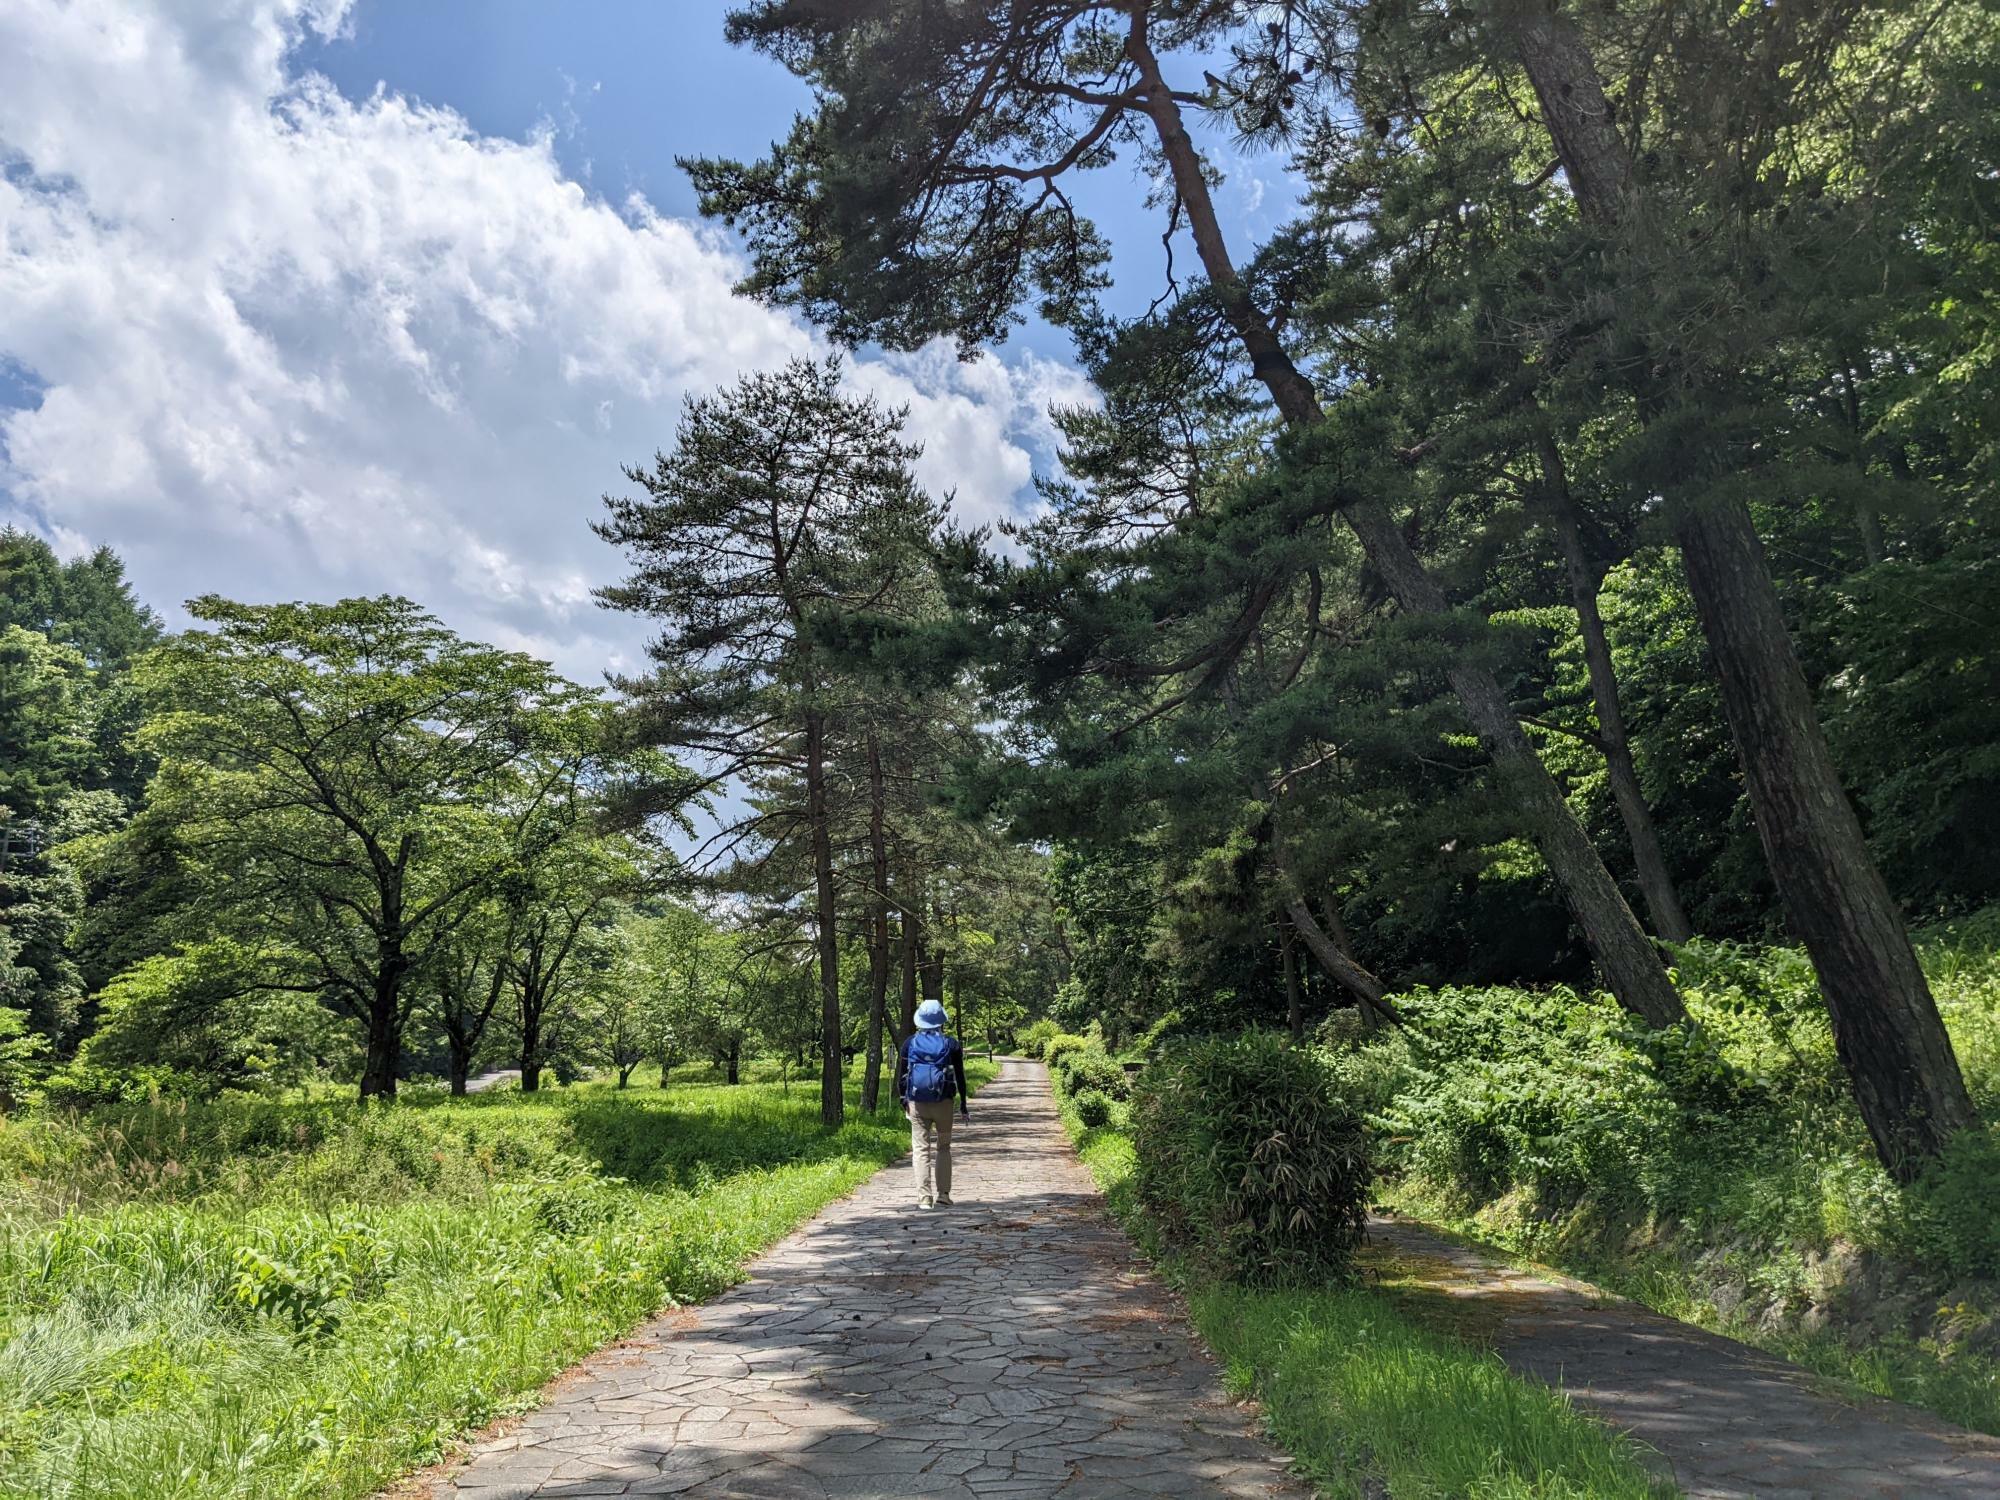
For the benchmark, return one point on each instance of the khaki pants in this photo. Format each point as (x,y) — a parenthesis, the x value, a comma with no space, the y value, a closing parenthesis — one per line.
(930,1148)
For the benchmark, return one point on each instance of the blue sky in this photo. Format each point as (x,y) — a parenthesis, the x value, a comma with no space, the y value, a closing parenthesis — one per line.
(311,298)
(629,87)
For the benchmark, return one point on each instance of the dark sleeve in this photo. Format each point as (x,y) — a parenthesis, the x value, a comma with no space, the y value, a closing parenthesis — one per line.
(902,1068)
(958,1071)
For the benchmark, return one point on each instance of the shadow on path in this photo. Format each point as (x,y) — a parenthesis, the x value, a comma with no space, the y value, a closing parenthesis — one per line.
(1726,1420)
(1011,1346)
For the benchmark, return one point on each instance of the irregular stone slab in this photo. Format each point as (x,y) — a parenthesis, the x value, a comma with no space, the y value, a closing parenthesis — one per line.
(1013,1345)
(1724,1421)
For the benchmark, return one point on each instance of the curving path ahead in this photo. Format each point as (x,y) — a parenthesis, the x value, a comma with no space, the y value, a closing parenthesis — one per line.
(1009,1347)
(1724,1421)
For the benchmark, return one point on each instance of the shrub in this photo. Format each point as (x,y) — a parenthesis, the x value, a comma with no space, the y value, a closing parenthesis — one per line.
(1093,1108)
(1249,1160)
(1091,1068)
(1038,1035)
(1060,1045)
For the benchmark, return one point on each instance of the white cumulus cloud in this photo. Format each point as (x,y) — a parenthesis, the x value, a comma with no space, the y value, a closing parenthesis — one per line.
(291,344)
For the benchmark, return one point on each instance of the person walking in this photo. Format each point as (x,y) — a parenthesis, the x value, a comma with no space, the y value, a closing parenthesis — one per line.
(930,1069)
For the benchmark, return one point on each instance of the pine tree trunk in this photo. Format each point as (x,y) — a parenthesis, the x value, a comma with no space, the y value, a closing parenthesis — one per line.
(531,1040)
(1630,964)
(1368,991)
(878,926)
(932,973)
(1886,1027)
(913,958)
(832,1084)
(1663,902)
(1295,1007)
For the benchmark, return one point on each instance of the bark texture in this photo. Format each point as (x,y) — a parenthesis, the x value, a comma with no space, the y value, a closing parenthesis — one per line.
(1295,1009)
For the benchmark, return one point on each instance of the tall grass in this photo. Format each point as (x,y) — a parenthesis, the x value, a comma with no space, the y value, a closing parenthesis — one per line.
(253,1298)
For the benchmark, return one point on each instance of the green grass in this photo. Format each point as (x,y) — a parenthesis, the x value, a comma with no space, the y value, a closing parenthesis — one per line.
(255,1298)
(1370,1399)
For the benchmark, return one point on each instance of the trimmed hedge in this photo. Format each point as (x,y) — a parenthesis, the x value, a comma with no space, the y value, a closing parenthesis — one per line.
(1249,1159)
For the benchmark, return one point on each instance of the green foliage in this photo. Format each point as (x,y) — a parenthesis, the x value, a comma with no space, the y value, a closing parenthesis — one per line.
(1093,1107)
(339,831)
(1250,1161)
(1062,1045)
(1377,1405)
(1036,1036)
(1090,1067)
(1369,1400)
(1954,1209)
(1720,1166)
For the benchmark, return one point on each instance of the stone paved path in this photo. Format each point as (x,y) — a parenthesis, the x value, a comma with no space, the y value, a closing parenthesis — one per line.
(1726,1421)
(1009,1347)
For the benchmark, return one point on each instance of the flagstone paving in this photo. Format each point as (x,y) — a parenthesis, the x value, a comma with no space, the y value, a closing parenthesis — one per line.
(1011,1346)
(1725,1421)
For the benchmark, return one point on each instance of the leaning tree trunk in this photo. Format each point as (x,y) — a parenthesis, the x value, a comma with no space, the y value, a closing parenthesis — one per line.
(1630,964)
(832,1084)
(1886,1027)
(1371,994)
(878,926)
(1295,1006)
(1663,902)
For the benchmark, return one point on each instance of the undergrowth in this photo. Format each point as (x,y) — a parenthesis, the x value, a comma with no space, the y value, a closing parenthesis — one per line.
(1717,1172)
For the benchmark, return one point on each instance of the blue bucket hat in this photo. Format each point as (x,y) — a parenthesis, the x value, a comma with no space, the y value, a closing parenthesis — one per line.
(930,1016)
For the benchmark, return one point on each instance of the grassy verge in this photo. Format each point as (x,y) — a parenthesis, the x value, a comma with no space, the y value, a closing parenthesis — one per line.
(253,1298)
(1371,1400)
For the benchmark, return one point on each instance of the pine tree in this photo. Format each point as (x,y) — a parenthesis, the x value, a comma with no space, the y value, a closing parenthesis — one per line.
(744,545)
(928,195)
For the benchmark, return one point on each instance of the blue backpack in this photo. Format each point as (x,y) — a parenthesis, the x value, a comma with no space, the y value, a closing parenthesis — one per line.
(930,1077)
